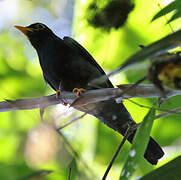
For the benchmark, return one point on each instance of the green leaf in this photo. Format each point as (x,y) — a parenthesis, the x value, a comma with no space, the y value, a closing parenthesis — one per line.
(138,149)
(157,48)
(173,6)
(171,170)
(175,16)
(72,171)
(170,7)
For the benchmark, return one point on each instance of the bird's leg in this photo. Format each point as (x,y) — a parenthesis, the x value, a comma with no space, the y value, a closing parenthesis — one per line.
(57,96)
(57,93)
(78,90)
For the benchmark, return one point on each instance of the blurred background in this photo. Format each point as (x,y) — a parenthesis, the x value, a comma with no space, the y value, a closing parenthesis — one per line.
(111,34)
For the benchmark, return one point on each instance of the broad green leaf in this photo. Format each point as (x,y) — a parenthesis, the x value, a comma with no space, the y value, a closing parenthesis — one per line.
(171,170)
(157,48)
(72,171)
(170,7)
(175,16)
(138,149)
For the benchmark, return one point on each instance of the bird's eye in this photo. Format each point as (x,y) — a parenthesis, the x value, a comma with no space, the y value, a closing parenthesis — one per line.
(40,26)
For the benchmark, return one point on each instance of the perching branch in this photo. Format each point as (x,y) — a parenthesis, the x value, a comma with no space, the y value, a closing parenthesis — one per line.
(87,102)
(92,96)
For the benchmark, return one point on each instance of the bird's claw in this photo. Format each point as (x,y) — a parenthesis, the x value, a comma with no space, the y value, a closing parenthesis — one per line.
(57,97)
(78,90)
(57,94)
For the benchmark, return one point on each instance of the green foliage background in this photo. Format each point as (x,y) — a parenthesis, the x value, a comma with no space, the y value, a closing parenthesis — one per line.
(21,77)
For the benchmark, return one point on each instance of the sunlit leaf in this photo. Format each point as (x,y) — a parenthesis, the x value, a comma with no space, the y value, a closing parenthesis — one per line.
(175,16)
(139,146)
(157,48)
(173,6)
(171,170)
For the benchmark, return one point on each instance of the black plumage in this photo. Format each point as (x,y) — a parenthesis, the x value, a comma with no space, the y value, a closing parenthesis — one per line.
(67,65)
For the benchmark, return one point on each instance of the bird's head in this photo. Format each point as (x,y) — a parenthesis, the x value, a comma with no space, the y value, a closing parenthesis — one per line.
(37,33)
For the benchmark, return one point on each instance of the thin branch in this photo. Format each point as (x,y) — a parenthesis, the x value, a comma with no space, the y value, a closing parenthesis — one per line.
(72,121)
(76,155)
(73,151)
(166,111)
(133,85)
(24,104)
(176,110)
(69,174)
(128,132)
(37,175)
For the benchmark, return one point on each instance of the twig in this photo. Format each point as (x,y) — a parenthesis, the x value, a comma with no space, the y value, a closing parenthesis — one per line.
(76,155)
(37,175)
(32,103)
(166,111)
(176,110)
(134,85)
(117,152)
(69,174)
(72,121)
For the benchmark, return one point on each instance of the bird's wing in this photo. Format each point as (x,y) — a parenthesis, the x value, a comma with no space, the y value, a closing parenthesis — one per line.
(48,82)
(45,79)
(83,52)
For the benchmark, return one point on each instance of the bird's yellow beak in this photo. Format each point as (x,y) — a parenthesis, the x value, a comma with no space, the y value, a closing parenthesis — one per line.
(24,30)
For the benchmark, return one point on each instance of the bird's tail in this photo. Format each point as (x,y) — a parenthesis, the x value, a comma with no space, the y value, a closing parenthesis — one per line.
(118,118)
(153,152)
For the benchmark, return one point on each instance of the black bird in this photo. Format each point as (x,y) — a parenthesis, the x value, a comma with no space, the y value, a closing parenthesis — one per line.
(67,65)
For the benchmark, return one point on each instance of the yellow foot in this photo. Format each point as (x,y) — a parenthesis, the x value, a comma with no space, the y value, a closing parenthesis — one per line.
(57,96)
(78,90)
